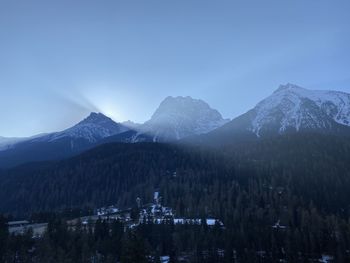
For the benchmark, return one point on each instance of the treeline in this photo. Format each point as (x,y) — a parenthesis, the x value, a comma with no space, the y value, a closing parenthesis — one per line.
(108,241)
(112,242)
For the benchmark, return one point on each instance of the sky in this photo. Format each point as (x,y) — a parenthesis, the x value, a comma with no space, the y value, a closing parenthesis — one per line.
(60,60)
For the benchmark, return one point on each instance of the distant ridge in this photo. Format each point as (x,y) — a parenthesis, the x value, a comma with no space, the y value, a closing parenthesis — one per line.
(176,118)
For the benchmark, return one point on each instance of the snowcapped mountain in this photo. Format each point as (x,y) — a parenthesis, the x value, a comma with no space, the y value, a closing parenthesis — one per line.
(292,109)
(92,129)
(175,118)
(82,136)
(180,117)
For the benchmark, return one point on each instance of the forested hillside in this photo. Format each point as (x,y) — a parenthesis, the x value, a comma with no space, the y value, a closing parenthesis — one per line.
(312,166)
(112,173)
(283,195)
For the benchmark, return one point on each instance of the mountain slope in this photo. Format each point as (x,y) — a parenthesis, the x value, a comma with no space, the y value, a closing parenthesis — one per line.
(110,168)
(78,138)
(92,129)
(6,143)
(119,173)
(176,118)
(290,109)
(180,117)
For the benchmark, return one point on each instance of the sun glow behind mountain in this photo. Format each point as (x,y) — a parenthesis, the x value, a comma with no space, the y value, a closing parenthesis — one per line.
(106,99)
(111,111)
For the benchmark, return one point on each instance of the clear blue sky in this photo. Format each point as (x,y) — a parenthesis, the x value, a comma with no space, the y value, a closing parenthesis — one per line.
(61,59)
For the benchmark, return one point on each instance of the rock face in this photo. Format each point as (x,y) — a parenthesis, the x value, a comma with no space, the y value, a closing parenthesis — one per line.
(180,117)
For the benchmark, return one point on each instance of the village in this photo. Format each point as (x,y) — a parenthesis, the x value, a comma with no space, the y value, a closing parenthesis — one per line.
(153,212)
